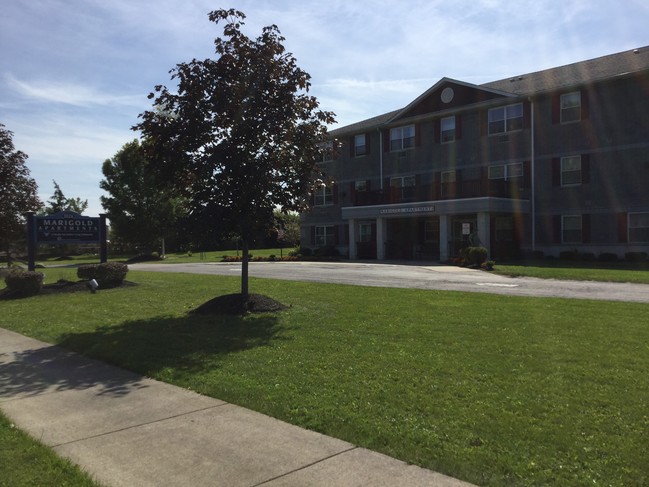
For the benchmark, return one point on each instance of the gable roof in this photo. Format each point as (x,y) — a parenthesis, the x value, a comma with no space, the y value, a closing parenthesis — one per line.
(583,72)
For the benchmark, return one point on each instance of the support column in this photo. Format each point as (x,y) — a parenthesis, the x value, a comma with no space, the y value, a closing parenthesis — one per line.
(353,251)
(444,235)
(380,239)
(484,231)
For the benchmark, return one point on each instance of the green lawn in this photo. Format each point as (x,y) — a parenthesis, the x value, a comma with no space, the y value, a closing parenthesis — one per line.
(494,390)
(24,461)
(579,271)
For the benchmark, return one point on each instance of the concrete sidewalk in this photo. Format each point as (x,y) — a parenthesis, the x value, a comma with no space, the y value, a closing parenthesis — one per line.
(127,430)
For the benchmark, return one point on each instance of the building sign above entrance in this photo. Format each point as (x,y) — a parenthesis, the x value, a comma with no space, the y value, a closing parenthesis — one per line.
(410,209)
(67,227)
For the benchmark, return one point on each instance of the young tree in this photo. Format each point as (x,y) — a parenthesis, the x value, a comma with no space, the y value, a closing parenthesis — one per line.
(17,193)
(239,133)
(141,212)
(58,202)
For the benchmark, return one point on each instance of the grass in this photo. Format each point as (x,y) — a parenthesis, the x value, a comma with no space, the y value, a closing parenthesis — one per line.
(494,390)
(579,271)
(24,461)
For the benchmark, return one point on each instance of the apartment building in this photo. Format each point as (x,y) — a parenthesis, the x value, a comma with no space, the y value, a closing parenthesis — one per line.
(551,161)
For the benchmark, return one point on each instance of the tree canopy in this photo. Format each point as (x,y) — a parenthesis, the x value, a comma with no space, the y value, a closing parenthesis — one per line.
(17,192)
(141,211)
(58,202)
(239,133)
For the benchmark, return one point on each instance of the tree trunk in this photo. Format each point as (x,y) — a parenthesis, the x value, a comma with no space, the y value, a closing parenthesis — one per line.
(244,267)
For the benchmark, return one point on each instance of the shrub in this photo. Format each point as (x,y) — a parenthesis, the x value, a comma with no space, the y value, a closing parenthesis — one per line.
(107,274)
(568,255)
(326,251)
(538,255)
(24,283)
(489,265)
(473,256)
(635,256)
(607,257)
(587,256)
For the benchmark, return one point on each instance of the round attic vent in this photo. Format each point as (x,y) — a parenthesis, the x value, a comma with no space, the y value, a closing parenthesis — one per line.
(447,94)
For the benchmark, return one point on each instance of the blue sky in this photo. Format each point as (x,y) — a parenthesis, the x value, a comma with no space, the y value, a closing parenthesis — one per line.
(75,74)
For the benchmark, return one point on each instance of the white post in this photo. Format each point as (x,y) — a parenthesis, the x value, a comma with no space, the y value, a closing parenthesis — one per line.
(443,238)
(380,239)
(484,231)
(353,251)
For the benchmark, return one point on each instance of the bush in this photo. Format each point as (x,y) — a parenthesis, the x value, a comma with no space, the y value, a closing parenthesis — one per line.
(327,251)
(489,265)
(635,256)
(587,256)
(568,255)
(607,257)
(473,256)
(107,274)
(538,255)
(24,283)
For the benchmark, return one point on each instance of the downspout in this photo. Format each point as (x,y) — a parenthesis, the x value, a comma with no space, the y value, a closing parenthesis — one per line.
(380,157)
(532,162)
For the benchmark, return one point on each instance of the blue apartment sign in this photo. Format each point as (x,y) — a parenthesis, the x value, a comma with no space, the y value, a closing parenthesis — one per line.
(67,227)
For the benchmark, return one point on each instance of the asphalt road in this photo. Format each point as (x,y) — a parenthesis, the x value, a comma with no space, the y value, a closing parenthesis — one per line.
(439,277)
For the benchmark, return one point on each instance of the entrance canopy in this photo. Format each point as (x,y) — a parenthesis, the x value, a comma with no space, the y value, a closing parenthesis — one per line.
(442,207)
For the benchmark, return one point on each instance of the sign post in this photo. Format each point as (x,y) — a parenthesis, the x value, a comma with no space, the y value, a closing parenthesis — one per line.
(65,227)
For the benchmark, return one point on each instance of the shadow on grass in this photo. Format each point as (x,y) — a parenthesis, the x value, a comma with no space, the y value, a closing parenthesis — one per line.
(189,344)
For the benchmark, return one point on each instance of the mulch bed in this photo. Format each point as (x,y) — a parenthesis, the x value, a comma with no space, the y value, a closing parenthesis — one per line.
(60,287)
(238,304)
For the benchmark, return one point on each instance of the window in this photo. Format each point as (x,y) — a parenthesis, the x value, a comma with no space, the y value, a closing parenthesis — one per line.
(324,196)
(571,171)
(360,149)
(360,185)
(404,187)
(365,232)
(447,129)
(571,107)
(504,229)
(431,232)
(402,137)
(324,235)
(449,178)
(506,171)
(326,151)
(638,227)
(505,119)
(571,229)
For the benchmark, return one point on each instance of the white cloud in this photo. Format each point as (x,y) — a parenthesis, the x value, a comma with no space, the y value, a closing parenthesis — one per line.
(69,93)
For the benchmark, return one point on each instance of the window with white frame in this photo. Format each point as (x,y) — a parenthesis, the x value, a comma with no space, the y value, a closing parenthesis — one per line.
(326,151)
(505,119)
(324,235)
(447,128)
(638,227)
(324,196)
(365,232)
(571,107)
(506,171)
(360,147)
(403,186)
(571,229)
(571,171)
(402,137)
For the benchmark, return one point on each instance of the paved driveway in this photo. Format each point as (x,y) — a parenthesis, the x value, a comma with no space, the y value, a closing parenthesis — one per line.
(448,278)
